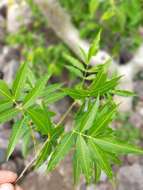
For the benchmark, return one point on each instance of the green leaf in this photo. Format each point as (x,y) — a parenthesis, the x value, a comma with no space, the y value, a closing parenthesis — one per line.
(116,146)
(97,173)
(103,121)
(99,81)
(54,97)
(5,104)
(83,55)
(35,92)
(65,145)
(76,93)
(31,78)
(94,47)
(50,89)
(101,158)
(106,87)
(84,157)
(74,62)
(88,119)
(8,115)
(20,79)
(76,169)
(44,154)
(93,6)
(124,93)
(75,71)
(26,141)
(41,120)
(14,137)
(4,90)
(107,15)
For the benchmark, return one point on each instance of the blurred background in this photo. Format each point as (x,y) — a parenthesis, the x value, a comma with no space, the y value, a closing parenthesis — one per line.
(42,32)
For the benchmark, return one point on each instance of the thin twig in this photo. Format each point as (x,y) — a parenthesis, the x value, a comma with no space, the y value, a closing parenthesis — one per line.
(35,158)
(25,169)
(66,113)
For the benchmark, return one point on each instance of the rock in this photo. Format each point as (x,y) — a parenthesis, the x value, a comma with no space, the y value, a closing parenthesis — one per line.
(91,187)
(9,165)
(2,29)
(19,14)
(53,181)
(102,186)
(3,3)
(136,119)
(132,159)
(103,177)
(2,155)
(130,177)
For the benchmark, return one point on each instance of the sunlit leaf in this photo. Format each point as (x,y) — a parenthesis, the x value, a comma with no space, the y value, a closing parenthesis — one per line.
(20,79)
(124,93)
(117,147)
(76,169)
(44,154)
(61,150)
(74,62)
(42,122)
(94,47)
(4,90)
(101,158)
(54,97)
(15,135)
(7,115)
(89,118)
(84,157)
(5,104)
(35,92)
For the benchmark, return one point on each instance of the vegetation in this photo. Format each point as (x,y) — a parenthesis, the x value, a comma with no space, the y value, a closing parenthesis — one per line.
(92,141)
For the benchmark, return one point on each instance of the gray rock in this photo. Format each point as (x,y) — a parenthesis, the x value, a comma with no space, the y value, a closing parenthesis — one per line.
(3,3)
(2,29)
(130,177)
(9,165)
(19,14)
(102,186)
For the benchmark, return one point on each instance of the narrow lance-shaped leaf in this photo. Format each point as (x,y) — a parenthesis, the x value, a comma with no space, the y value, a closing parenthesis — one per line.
(20,79)
(54,97)
(50,89)
(89,118)
(41,121)
(103,121)
(8,114)
(95,46)
(65,145)
(84,157)
(97,173)
(115,146)
(74,62)
(75,71)
(35,92)
(124,93)
(5,104)
(44,154)
(4,90)
(99,80)
(15,135)
(26,141)
(93,6)
(101,158)
(84,55)
(76,169)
